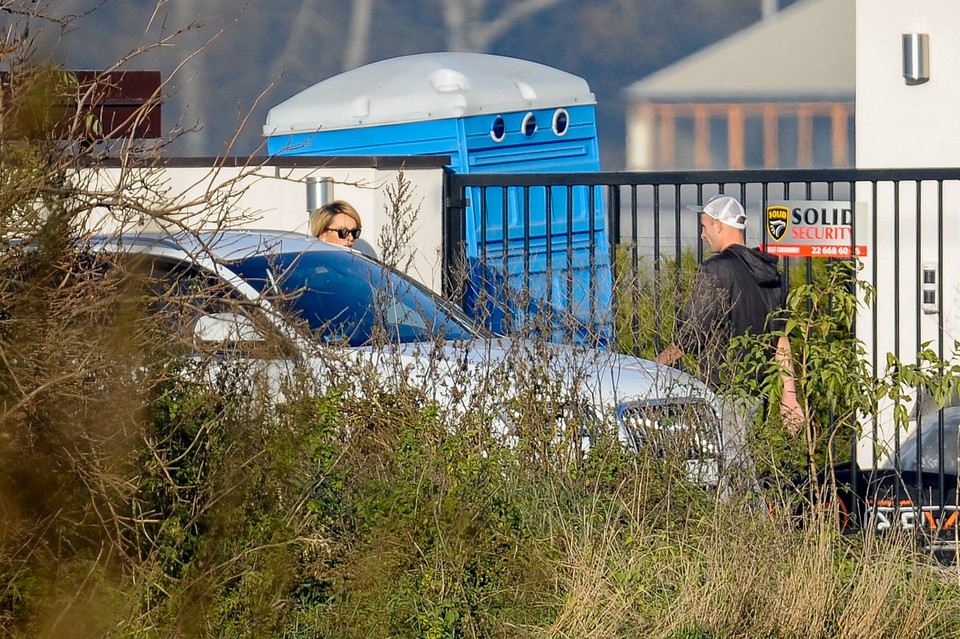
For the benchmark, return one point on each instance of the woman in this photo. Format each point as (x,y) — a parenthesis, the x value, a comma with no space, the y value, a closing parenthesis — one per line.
(337,223)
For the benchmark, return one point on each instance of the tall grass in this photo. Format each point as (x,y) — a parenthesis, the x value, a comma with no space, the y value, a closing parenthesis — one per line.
(345,506)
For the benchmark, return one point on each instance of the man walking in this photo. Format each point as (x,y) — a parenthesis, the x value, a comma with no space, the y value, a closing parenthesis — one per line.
(738,291)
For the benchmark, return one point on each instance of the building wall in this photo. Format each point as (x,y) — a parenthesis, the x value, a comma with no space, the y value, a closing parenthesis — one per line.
(900,125)
(274,196)
(904,126)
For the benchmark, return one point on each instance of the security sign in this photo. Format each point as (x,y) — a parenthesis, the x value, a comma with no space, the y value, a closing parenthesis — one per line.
(778,219)
(814,228)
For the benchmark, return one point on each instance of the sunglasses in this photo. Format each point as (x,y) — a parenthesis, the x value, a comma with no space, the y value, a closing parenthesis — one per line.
(345,233)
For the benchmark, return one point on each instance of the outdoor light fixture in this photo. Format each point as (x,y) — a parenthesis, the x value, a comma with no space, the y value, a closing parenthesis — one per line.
(321,198)
(916,58)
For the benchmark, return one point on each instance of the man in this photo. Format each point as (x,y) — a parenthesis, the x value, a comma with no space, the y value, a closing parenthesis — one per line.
(737,291)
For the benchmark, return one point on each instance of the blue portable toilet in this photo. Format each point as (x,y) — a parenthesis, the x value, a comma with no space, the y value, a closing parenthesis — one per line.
(490,114)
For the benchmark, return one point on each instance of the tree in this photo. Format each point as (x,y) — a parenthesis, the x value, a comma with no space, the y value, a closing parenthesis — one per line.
(468,30)
(355,53)
(78,353)
(303,26)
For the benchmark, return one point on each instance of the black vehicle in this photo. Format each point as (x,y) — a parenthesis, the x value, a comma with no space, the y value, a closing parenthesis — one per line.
(913,491)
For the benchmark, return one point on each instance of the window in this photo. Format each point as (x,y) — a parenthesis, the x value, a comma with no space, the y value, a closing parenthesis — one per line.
(188,300)
(788,146)
(498,130)
(822,142)
(719,143)
(346,299)
(561,122)
(753,143)
(529,125)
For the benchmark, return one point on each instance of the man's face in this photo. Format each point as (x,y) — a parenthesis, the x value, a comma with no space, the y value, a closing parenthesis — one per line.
(710,231)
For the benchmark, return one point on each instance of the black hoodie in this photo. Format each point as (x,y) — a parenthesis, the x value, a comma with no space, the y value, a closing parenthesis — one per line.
(735,292)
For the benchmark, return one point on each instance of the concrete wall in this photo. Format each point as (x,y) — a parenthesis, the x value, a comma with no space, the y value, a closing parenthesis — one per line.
(199,194)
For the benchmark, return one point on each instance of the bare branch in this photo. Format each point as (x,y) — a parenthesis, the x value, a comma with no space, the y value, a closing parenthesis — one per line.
(487,33)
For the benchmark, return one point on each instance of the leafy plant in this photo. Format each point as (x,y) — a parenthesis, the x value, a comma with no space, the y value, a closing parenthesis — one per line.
(838,392)
(648,299)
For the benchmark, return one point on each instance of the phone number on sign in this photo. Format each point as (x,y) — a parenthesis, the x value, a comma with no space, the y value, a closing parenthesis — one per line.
(817,250)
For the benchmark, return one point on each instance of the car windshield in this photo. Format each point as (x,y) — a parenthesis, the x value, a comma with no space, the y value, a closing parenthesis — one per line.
(347,299)
(929,438)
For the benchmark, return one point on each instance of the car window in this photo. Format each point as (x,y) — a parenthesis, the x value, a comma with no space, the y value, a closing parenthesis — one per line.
(185,295)
(929,438)
(348,299)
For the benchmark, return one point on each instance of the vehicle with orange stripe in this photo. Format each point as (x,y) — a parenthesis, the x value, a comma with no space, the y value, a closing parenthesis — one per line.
(914,491)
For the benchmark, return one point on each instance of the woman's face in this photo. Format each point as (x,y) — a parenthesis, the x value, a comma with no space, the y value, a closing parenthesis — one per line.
(343,230)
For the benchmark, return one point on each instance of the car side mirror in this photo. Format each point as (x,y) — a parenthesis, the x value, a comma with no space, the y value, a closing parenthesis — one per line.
(226,327)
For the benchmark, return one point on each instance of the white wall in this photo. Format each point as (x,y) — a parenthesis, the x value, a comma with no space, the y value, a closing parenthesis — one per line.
(904,126)
(900,125)
(275,197)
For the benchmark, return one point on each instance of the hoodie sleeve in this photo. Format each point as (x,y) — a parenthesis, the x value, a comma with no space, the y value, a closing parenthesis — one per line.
(703,325)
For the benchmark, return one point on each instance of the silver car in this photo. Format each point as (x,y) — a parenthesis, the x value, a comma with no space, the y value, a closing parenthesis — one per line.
(319,304)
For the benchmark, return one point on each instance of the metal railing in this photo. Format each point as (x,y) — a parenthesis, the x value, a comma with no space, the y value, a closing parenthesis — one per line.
(906,219)
(645,216)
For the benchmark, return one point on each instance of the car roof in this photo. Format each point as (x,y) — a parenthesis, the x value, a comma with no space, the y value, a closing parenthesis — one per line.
(221,245)
(927,404)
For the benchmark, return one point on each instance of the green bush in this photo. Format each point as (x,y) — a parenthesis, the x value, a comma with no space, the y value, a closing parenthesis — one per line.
(235,509)
(648,297)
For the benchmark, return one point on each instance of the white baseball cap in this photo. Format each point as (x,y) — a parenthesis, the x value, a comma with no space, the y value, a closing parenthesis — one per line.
(726,209)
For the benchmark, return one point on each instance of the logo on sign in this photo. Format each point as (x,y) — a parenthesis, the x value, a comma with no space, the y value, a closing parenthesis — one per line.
(778,220)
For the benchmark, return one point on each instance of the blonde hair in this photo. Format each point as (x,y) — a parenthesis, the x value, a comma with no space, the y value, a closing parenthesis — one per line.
(321,218)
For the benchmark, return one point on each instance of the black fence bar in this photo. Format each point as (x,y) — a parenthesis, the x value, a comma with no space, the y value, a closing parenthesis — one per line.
(646,224)
(626,193)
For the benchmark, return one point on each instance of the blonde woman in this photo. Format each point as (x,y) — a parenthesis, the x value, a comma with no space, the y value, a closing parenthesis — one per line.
(337,223)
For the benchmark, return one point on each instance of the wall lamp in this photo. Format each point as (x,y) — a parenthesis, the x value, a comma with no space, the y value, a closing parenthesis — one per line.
(916,58)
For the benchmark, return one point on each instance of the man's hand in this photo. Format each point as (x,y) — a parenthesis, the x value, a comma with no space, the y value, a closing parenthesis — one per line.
(669,355)
(791,412)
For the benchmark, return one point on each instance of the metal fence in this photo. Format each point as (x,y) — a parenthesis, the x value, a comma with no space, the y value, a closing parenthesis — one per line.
(908,220)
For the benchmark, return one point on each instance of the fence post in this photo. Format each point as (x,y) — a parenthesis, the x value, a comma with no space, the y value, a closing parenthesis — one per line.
(454,238)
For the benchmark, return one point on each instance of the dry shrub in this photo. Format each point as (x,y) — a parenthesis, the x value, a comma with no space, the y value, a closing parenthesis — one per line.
(744,575)
(70,400)
(77,356)
(635,562)
(598,600)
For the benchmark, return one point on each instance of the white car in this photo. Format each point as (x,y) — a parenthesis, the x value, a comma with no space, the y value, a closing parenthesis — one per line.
(318,304)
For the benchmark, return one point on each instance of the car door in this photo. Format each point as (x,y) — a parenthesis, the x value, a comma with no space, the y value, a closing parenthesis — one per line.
(223,335)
